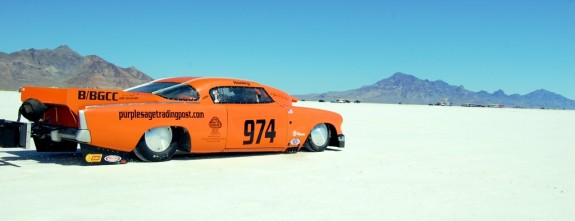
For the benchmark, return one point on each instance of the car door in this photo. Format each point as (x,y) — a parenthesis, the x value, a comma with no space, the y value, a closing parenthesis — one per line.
(254,120)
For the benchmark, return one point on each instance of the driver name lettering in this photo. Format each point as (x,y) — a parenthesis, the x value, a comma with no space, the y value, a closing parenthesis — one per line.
(242,83)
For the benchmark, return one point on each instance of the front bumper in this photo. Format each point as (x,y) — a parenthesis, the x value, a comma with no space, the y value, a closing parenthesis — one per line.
(341,140)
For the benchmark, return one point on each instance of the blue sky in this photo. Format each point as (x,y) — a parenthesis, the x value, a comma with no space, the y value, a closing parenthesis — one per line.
(314,46)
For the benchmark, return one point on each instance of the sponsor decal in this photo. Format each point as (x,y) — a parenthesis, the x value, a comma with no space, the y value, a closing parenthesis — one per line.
(297,134)
(242,83)
(129,98)
(295,142)
(158,114)
(290,111)
(93,158)
(112,158)
(97,95)
(215,124)
(279,95)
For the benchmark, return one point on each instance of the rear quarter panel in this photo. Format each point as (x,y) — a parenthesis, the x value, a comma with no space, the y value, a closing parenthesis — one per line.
(120,127)
(78,98)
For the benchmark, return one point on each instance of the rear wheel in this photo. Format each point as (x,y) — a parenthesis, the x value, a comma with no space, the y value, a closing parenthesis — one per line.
(47,145)
(157,144)
(318,139)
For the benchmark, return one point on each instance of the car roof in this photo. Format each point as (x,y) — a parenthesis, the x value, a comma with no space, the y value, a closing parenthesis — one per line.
(214,81)
(207,83)
(176,79)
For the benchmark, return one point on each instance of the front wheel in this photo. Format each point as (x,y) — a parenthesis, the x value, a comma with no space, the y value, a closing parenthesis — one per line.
(318,139)
(157,144)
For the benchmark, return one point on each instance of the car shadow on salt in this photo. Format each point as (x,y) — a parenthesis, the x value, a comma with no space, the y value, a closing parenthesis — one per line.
(66,159)
(210,156)
(16,158)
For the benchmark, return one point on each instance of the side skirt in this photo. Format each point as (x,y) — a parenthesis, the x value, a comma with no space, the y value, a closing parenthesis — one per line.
(94,155)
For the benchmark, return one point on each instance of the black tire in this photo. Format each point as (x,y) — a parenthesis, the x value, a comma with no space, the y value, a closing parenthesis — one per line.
(159,147)
(318,138)
(47,145)
(32,109)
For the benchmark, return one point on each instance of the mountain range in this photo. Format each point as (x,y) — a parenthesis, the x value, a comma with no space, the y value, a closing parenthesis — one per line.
(407,89)
(63,67)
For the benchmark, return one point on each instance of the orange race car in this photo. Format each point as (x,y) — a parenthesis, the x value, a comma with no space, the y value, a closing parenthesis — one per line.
(190,114)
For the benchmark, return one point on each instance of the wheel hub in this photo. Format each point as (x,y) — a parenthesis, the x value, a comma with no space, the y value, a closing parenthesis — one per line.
(319,135)
(158,139)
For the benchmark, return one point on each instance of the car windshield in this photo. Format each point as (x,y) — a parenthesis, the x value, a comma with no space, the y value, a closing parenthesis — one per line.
(151,87)
(169,90)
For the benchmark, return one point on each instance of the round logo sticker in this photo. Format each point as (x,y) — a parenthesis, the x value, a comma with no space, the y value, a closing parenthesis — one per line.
(112,158)
(294,142)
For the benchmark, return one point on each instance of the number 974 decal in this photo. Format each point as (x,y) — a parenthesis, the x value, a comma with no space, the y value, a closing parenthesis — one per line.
(251,126)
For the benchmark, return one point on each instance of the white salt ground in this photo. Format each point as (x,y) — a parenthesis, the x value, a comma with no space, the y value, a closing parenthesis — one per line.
(401,162)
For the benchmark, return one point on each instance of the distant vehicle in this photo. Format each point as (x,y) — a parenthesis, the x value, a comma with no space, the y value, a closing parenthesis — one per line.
(190,114)
(496,105)
(322,101)
(357,101)
(442,104)
(472,105)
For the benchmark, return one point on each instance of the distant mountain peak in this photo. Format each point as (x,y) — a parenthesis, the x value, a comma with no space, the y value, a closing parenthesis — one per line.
(396,79)
(63,48)
(401,76)
(408,89)
(499,93)
(542,93)
(63,67)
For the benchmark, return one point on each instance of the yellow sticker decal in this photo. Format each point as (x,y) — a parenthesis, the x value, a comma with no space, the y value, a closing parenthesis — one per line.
(93,158)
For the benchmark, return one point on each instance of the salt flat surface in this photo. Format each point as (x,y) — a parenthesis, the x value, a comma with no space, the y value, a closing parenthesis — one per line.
(401,162)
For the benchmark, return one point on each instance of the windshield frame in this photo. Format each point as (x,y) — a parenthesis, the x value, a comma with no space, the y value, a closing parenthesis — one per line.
(188,93)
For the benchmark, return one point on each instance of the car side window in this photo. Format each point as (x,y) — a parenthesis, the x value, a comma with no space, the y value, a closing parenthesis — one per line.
(240,95)
(263,96)
(179,92)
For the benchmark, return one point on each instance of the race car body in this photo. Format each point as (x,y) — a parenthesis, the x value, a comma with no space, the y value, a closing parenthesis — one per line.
(191,114)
